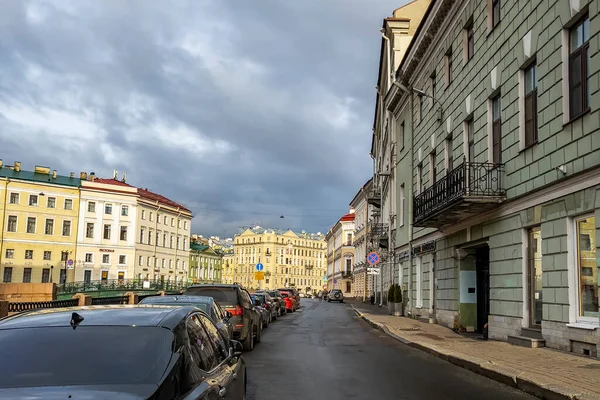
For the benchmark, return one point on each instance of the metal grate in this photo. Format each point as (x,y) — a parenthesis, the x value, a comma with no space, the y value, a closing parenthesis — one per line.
(37,305)
(103,301)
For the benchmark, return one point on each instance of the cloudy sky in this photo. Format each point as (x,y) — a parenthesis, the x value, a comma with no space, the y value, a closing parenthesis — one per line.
(243,110)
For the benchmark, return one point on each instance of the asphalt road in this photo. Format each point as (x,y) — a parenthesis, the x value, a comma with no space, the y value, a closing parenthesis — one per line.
(323,351)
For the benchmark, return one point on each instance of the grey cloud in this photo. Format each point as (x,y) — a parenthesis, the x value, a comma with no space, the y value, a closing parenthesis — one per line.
(268,104)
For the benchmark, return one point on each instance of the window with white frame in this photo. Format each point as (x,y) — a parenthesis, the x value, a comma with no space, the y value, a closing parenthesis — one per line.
(449,156)
(402,200)
(122,259)
(89,258)
(105,258)
(586,267)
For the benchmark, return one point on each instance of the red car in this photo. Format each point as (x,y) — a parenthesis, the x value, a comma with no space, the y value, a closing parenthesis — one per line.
(290,302)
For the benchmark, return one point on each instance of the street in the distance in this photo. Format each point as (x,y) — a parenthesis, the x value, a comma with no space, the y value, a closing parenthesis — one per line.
(324,351)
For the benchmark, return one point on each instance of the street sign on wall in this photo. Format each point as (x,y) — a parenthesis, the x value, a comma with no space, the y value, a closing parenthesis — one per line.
(373,271)
(373,258)
(259,267)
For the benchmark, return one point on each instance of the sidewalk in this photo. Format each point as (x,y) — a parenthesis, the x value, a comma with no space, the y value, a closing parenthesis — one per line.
(543,372)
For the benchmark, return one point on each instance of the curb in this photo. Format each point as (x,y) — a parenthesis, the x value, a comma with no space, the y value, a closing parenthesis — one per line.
(512,380)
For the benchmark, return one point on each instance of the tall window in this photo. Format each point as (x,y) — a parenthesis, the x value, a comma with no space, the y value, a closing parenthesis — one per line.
(66,229)
(579,58)
(496,130)
(89,230)
(587,269)
(33,200)
(29,254)
(123,235)
(31,225)
(89,258)
(495,13)
(432,167)
(46,275)
(470,128)
(47,255)
(348,239)
(7,278)
(470,33)
(12,223)
(419,178)
(124,211)
(419,271)
(106,231)
(530,105)
(449,154)
(27,275)
(433,87)
(91,207)
(402,195)
(448,62)
(14,198)
(108,209)
(68,204)
(49,228)
(51,202)
(105,258)
(348,265)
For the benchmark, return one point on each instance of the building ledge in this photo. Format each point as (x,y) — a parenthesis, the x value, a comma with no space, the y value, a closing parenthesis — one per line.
(584,325)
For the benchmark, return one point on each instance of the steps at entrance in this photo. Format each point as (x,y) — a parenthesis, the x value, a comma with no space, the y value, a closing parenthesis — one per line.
(532,333)
(525,341)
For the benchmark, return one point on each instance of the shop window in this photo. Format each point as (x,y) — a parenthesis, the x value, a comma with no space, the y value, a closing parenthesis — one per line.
(587,268)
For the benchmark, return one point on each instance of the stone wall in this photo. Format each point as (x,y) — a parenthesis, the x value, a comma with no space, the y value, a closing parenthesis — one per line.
(24,292)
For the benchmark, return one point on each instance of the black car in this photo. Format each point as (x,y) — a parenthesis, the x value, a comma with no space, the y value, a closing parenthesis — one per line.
(277,299)
(269,304)
(247,324)
(118,352)
(220,317)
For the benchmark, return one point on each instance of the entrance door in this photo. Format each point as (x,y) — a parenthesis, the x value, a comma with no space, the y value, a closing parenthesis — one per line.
(63,276)
(104,276)
(534,278)
(483,286)
(87,276)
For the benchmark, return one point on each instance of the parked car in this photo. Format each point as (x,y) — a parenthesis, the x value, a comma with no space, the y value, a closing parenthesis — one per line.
(118,352)
(265,315)
(269,304)
(278,299)
(247,324)
(295,294)
(219,316)
(290,303)
(335,295)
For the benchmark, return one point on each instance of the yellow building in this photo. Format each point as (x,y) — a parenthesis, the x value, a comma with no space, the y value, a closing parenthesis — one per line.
(228,265)
(39,211)
(340,254)
(289,259)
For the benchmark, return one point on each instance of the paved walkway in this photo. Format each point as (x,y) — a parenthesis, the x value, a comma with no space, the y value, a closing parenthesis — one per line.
(543,372)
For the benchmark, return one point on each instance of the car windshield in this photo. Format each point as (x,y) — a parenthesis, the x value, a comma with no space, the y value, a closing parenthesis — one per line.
(284,295)
(227,296)
(88,355)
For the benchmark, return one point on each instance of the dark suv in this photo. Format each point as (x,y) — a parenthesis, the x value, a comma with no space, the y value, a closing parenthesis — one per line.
(235,299)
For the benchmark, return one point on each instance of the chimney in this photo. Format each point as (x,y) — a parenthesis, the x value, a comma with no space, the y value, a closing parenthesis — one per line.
(92,176)
(115,173)
(54,174)
(72,174)
(124,177)
(42,170)
(83,176)
(352,210)
(18,166)
(1,163)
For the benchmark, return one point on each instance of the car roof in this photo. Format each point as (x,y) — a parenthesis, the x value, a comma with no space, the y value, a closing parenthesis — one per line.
(180,298)
(221,285)
(110,315)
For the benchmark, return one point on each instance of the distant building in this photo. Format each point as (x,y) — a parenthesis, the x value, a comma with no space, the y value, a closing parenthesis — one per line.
(340,254)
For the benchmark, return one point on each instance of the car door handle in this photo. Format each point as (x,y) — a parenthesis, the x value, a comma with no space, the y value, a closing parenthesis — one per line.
(222,392)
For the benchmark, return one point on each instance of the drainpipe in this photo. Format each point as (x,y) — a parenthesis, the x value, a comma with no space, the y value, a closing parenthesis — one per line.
(6,180)
(389,59)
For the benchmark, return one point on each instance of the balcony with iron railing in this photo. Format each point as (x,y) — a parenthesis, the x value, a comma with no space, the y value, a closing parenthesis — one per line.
(469,189)
(374,198)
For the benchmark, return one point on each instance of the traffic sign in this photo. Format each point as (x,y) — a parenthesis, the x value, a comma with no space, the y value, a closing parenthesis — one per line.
(259,267)
(70,262)
(259,276)
(373,258)
(373,271)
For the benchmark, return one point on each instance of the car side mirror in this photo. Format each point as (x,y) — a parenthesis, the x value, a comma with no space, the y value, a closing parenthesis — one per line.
(236,348)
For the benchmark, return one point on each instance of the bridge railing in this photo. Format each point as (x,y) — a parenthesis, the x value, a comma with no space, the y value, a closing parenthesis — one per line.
(120,284)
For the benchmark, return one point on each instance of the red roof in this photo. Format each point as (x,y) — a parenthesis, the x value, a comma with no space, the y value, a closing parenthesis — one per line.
(146,194)
(348,217)
(111,182)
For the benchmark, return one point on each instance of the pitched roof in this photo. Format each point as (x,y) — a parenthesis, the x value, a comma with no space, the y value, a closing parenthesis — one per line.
(146,194)
(6,172)
(348,217)
(111,182)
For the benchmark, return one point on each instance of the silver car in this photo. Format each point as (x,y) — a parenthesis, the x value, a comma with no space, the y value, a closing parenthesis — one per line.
(335,295)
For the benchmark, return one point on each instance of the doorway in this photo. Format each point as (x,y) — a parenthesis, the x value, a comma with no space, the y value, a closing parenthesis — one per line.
(482,268)
(534,278)
(87,276)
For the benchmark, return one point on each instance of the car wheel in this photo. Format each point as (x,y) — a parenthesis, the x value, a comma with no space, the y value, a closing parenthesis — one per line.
(249,342)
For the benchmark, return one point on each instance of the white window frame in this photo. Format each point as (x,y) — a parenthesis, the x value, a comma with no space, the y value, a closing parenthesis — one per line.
(102,259)
(119,259)
(67,202)
(141,260)
(85,258)
(402,201)
(419,285)
(575,320)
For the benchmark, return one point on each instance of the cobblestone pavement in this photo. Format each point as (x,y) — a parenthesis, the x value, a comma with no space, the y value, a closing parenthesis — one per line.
(542,371)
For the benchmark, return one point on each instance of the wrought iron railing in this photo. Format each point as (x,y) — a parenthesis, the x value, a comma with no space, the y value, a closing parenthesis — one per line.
(468,179)
(120,284)
(103,301)
(379,229)
(346,274)
(36,305)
